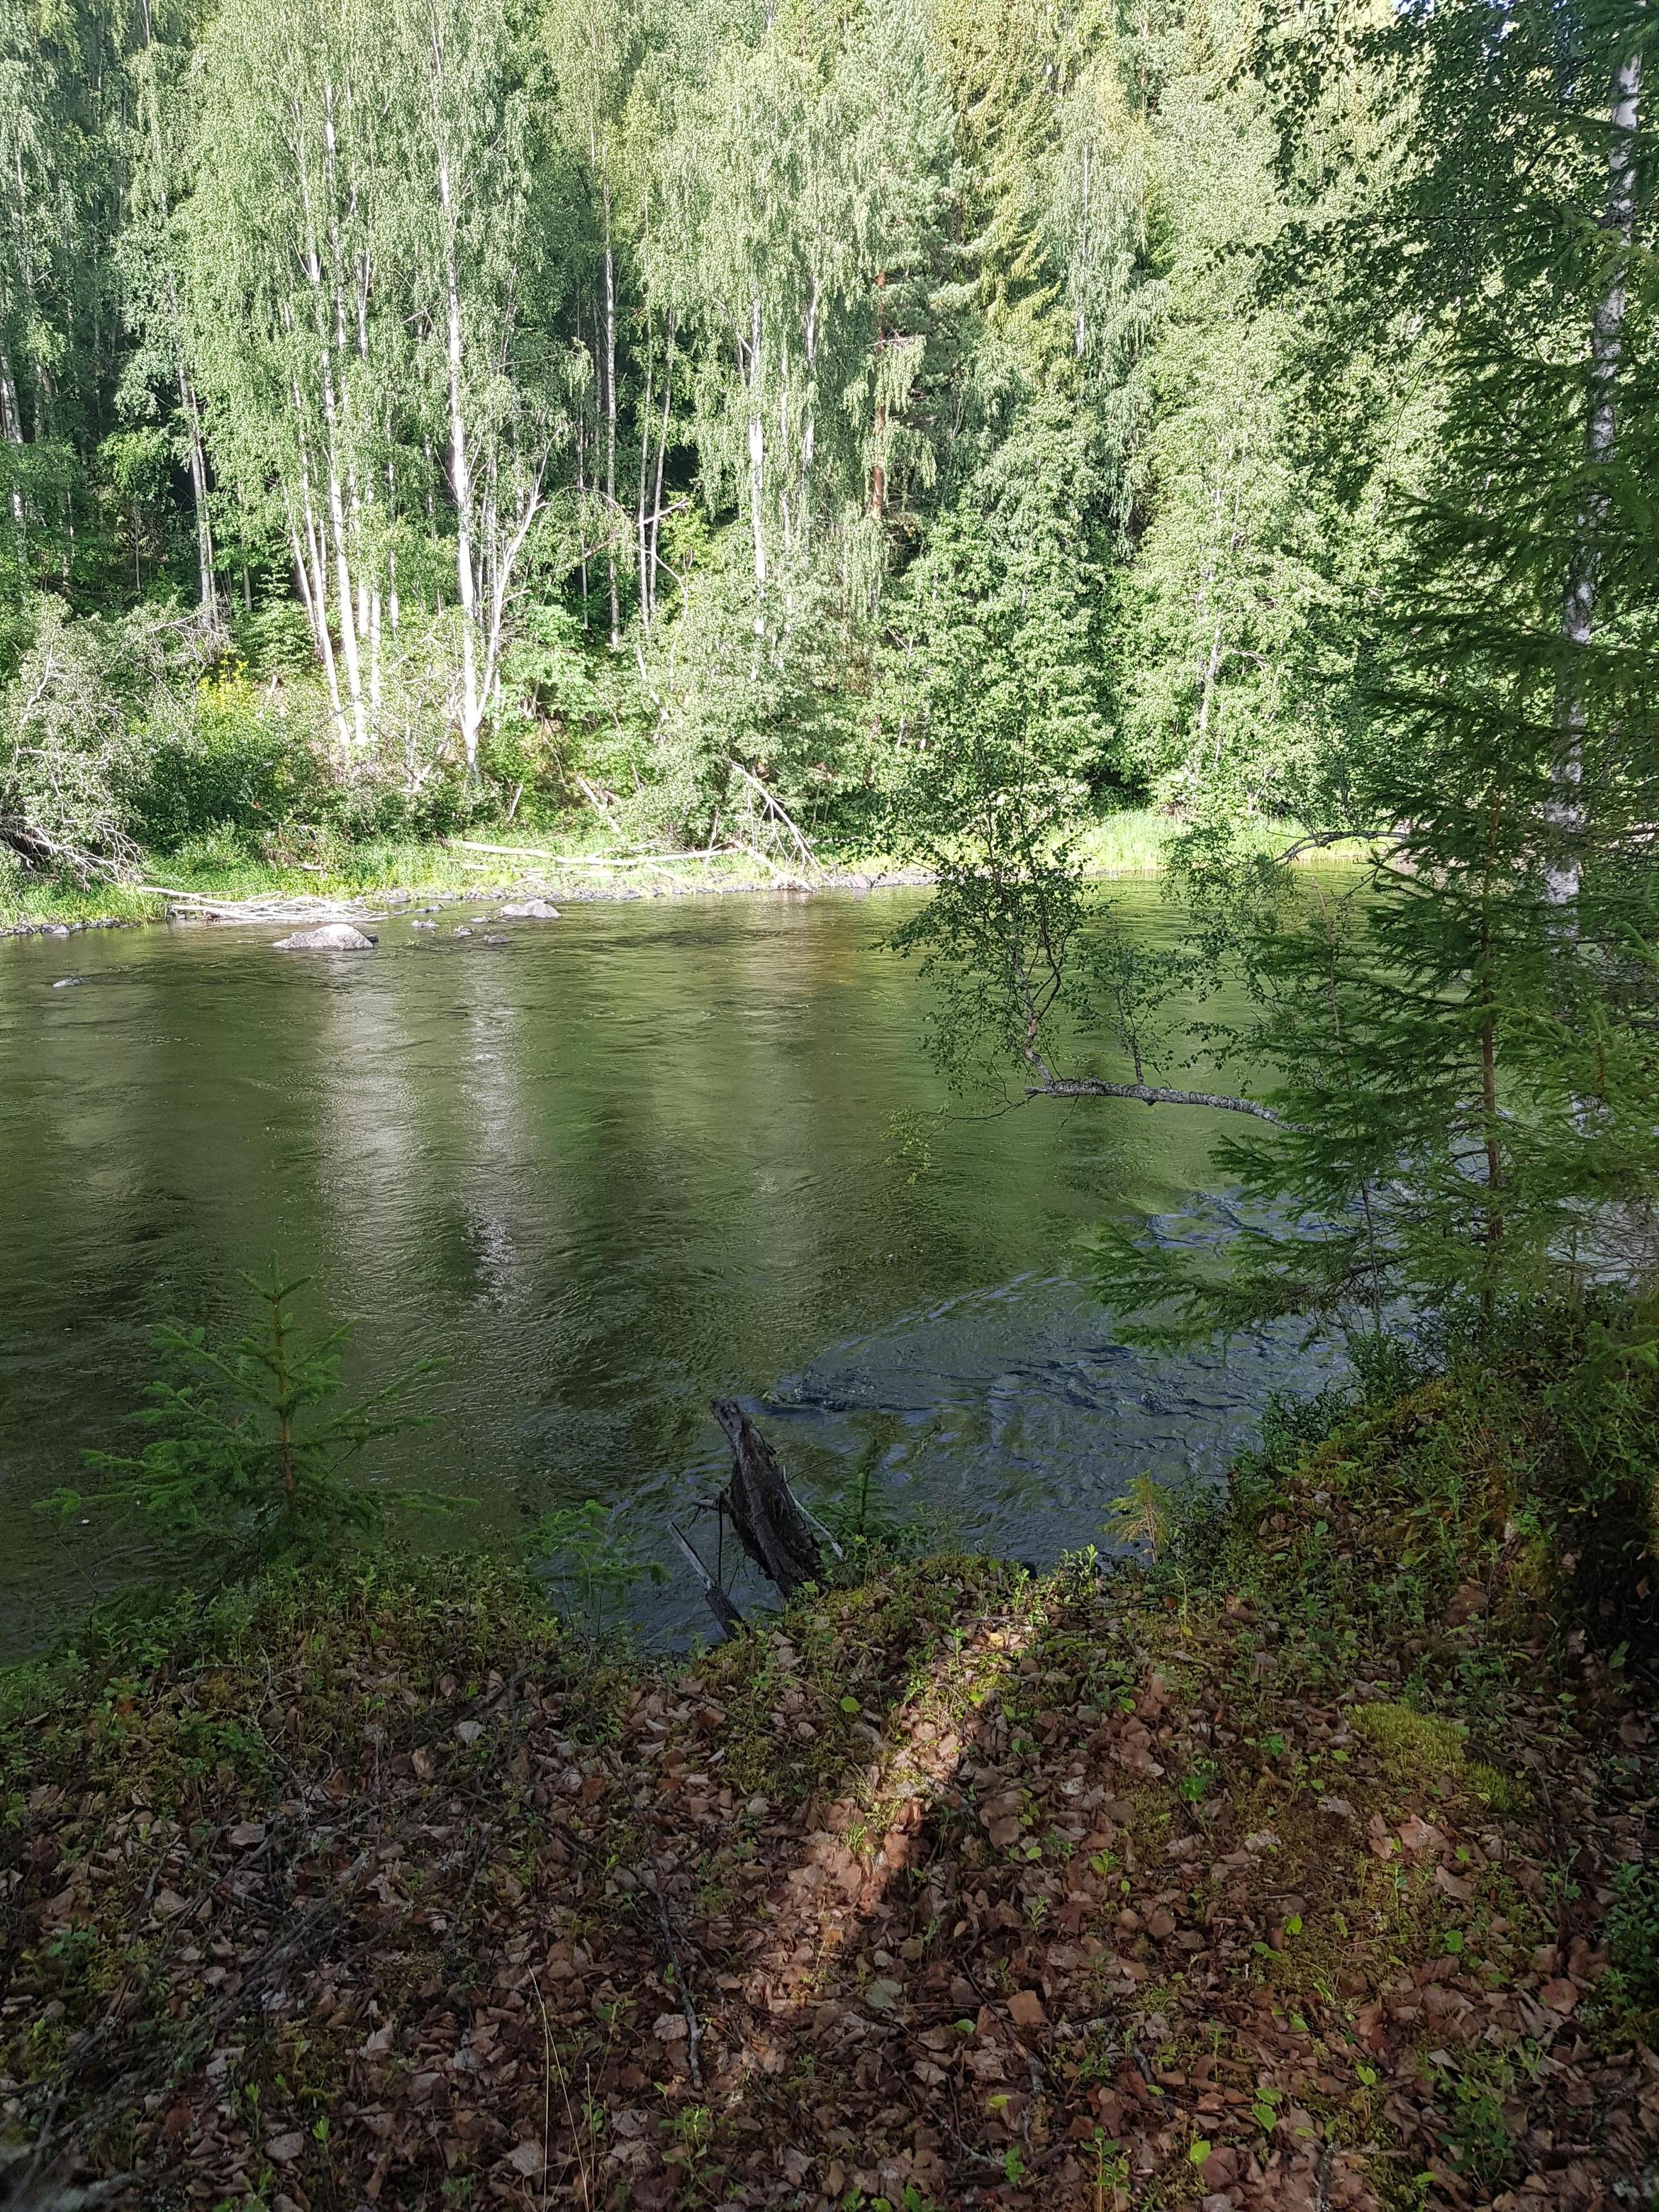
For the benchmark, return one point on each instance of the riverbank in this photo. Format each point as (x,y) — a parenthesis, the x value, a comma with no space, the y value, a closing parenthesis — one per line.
(1303,1867)
(505,865)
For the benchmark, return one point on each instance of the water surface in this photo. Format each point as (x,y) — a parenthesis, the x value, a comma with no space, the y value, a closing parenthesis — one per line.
(650,1152)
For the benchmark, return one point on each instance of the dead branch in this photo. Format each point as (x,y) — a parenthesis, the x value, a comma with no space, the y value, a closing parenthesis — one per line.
(1152,1094)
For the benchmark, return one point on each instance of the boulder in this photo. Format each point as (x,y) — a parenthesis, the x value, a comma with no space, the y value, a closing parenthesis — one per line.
(65,982)
(536,909)
(332,937)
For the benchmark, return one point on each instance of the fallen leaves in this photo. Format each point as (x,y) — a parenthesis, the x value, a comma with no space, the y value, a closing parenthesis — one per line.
(964,1876)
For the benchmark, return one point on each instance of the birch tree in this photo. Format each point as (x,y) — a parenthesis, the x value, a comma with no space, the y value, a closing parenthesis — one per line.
(481,280)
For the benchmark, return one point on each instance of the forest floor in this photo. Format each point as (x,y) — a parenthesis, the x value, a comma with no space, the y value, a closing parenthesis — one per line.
(1302,1871)
(506,863)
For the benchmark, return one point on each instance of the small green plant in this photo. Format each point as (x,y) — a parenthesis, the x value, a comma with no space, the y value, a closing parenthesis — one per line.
(1198,1782)
(1477,2135)
(1141,1516)
(583,1549)
(1630,1986)
(1111,2170)
(249,1458)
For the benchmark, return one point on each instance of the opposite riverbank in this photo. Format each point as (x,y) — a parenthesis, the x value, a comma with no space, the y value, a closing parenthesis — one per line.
(572,868)
(1303,1865)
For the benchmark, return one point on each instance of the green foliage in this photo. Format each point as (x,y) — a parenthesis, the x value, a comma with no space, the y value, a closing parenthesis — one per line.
(64,741)
(216,759)
(1631,1986)
(250,1461)
(1141,1515)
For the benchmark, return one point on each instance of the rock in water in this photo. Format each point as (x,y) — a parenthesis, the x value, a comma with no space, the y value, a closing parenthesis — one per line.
(536,909)
(65,982)
(332,937)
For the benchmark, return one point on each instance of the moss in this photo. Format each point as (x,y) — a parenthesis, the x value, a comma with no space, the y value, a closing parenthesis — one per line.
(1500,1793)
(1416,1748)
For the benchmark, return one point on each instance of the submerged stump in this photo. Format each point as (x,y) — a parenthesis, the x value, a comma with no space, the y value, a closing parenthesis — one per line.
(771,1526)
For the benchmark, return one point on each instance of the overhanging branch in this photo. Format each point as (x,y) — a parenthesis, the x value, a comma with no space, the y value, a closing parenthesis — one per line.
(1152,1094)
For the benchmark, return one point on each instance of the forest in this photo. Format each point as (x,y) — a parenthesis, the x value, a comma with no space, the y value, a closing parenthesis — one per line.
(428,414)
(1187,1740)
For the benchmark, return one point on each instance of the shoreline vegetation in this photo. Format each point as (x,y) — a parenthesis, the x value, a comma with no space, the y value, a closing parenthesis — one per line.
(1129,843)
(1294,1861)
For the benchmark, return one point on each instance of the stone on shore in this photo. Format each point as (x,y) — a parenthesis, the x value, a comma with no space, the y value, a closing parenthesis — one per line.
(332,937)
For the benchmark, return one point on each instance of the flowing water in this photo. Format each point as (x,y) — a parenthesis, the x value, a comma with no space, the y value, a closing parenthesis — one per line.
(648,1153)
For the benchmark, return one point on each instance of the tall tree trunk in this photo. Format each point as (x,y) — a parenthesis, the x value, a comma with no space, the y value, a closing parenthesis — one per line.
(757,461)
(641,524)
(662,458)
(1565,810)
(581,474)
(611,414)
(11,423)
(878,471)
(206,585)
(460,479)
(318,598)
(343,567)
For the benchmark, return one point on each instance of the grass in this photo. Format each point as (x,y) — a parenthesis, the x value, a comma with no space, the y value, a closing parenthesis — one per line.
(368,872)
(1129,843)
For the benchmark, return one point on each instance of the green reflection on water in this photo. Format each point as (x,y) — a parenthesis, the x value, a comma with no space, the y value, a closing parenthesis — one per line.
(649,1152)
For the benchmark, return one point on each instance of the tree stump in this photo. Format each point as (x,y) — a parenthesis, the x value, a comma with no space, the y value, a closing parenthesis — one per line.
(771,1527)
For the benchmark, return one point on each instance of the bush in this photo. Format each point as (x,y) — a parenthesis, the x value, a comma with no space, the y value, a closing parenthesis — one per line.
(222,758)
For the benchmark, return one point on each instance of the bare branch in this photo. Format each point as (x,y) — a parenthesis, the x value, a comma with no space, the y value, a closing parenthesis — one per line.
(1320,838)
(1152,1094)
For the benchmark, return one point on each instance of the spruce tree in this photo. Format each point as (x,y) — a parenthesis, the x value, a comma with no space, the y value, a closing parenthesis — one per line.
(1462,1049)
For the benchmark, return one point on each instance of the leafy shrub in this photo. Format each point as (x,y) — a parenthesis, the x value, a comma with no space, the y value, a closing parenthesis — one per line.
(220,758)
(1631,1985)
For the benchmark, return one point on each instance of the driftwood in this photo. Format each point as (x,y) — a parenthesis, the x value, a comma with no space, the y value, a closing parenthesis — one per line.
(778,1533)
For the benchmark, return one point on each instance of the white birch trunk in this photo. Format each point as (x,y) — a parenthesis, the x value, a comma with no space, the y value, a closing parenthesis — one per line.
(757,460)
(460,481)
(11,423)
(611,413)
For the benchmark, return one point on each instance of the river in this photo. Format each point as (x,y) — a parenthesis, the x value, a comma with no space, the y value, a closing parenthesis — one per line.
(650,1152)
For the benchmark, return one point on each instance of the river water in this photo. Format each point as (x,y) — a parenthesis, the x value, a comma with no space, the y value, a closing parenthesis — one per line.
(650,1153)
